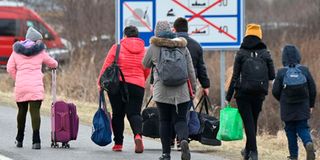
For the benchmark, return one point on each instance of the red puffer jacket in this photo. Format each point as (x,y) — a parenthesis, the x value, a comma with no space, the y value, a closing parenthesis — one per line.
(130,61)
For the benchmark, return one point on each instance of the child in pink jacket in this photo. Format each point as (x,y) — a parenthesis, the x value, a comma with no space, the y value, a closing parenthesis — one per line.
(24,66)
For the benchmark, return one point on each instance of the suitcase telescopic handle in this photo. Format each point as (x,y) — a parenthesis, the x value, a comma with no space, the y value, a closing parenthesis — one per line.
(54,85)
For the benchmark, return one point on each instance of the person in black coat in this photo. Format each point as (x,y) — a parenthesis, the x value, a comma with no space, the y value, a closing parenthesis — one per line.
(250,104)
(295,114)
(181,27)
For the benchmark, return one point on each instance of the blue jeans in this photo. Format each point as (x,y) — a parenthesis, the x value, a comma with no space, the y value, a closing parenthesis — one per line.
(293,130)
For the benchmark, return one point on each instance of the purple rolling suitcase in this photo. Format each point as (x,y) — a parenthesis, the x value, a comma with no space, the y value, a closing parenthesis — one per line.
(64,120)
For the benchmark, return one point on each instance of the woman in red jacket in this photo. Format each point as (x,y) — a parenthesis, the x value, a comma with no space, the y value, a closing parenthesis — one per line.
(130,62)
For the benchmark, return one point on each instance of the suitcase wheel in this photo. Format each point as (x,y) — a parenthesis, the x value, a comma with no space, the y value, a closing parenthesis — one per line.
(65,145)
(54,145)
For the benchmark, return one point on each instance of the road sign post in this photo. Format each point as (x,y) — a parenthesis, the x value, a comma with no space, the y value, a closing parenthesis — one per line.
(222,77)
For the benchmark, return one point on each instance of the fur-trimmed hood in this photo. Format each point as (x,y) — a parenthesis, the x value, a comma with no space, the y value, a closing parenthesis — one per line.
(28,49)
(179,42)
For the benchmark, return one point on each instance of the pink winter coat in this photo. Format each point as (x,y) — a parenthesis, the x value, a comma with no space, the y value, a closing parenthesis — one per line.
(131,54)
(24,66)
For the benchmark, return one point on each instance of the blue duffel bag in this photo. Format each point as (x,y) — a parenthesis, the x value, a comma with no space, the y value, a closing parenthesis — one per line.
(101,130)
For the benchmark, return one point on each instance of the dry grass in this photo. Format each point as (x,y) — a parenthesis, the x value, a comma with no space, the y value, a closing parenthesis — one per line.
(269,147)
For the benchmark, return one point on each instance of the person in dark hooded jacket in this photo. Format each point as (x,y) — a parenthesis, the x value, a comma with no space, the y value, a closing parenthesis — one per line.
(250,104)
(296,114)
(24,66)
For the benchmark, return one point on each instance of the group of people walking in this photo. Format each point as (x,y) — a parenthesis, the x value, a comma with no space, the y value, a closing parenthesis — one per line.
(174,99)
(173,102)
(293,86)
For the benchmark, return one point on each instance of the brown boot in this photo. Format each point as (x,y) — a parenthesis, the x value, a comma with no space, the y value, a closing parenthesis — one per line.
(310,151)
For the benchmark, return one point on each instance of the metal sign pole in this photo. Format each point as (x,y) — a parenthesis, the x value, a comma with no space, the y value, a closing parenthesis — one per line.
(222,76)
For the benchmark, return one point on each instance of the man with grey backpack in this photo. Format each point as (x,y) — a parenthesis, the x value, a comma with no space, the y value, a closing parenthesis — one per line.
(295,88)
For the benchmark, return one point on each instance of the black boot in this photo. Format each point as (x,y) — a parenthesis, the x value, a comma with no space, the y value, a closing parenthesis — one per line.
(185,152)
(19,138)
(36,144)
(165,156)
(245,154)
(253,155)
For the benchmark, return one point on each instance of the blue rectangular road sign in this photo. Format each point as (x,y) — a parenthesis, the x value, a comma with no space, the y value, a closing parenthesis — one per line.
(140,13)
(215,24)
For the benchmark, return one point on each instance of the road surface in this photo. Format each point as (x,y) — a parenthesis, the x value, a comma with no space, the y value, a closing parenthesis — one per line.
(81,149)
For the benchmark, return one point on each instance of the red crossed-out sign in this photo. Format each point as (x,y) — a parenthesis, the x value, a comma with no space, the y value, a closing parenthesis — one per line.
(199,15)
(142,21)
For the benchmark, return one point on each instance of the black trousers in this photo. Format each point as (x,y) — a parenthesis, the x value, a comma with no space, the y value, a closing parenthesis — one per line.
(250,108)
(132,110)
(34,112)
(171,114)
(173,132)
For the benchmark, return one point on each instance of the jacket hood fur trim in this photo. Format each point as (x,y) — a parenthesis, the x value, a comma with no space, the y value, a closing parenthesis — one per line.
(34,50)
(179,42)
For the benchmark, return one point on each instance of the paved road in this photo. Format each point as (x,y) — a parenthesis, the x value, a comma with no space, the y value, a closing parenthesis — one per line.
(83,148)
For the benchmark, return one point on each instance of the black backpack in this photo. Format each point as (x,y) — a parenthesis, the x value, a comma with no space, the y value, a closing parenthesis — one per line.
(254,73)
(172,67)
(110,80)
(150,121)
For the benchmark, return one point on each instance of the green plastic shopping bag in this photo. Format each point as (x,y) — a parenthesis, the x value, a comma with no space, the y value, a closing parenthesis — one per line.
(230,124)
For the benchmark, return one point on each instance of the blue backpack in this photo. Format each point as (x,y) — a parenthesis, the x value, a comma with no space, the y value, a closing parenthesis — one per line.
(295,85)
(101,130)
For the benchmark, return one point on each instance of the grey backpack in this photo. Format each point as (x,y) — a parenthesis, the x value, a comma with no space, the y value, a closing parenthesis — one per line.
(172,67)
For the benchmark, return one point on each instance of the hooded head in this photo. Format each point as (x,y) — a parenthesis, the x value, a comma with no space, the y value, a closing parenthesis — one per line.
(254,30)
(290,55)
(161,28)
(33,34)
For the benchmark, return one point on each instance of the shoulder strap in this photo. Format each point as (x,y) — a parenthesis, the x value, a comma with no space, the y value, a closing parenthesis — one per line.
(207,104)
(125,97)
(204,102)
(102,101)
(192,106)
(159,59)
(199,103)
(262,52)
(117,54)
(254,53)
(148,102)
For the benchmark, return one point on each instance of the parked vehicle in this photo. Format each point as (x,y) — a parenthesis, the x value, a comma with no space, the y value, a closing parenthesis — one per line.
(15,19)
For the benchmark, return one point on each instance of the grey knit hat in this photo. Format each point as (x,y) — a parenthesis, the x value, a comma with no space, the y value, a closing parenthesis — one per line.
(162,26)
(33,34)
